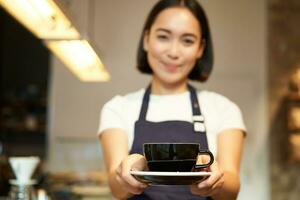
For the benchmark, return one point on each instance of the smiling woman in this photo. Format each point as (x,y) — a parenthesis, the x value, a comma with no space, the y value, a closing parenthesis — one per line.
(175,47)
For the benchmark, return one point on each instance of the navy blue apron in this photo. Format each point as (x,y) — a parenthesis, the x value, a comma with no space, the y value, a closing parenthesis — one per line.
(168,132)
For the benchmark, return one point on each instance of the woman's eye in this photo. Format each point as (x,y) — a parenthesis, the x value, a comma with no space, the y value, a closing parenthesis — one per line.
(188,41)
(162,37)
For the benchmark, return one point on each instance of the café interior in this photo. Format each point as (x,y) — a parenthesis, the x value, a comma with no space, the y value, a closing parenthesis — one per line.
(57,71)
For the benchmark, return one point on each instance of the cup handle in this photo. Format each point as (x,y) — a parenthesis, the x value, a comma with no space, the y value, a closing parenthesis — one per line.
(209,163)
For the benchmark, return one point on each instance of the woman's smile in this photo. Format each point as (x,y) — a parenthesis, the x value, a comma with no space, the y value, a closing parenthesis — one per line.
(172,68)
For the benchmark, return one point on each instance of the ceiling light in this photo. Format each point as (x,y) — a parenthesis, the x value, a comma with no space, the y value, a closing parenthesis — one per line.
(80,57)
(41,17)
(46,20)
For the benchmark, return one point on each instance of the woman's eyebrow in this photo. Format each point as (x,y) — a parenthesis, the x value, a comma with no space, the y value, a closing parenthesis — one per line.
(190,35)
(163,30)
(169,32)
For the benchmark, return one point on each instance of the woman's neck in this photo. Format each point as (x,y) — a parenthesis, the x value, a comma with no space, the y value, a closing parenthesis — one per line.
(159,88)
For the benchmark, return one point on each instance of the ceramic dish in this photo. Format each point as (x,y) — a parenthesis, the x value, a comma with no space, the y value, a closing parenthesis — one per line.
(170,178)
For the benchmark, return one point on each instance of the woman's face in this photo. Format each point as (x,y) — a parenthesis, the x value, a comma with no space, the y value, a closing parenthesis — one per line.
(173,44)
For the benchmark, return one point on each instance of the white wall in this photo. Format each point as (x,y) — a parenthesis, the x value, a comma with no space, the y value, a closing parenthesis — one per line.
(239,34)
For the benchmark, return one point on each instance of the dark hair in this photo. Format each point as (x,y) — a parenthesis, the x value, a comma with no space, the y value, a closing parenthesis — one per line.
(203,66)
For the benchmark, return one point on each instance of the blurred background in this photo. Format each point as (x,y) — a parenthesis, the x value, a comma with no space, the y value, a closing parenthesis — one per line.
(47,111)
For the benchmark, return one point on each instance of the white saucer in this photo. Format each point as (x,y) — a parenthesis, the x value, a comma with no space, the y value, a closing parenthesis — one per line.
(17,182)
(170,178)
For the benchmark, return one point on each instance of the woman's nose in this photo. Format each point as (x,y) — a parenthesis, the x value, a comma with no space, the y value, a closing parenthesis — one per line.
(174,50)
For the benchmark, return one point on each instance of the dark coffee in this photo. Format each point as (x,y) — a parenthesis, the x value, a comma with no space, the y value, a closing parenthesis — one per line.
(175,156)
(172,165)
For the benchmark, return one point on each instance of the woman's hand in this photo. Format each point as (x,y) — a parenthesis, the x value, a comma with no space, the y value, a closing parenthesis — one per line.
(212,185)
(125,179)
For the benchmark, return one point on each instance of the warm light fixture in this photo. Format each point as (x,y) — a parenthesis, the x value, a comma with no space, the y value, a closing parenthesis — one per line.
(79,56)
(47,21)
(41,17)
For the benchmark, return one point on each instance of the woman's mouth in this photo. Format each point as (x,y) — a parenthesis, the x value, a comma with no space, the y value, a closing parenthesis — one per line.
(171,67)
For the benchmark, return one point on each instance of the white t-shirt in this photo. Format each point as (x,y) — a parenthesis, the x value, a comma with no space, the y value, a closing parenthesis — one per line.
(219,112)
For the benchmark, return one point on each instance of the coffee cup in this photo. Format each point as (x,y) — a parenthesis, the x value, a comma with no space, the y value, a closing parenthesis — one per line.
(175,157)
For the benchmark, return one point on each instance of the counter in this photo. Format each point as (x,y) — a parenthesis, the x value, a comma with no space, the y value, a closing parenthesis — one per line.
(74,186)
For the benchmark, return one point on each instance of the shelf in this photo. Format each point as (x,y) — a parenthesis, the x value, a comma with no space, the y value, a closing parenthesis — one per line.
(23,120)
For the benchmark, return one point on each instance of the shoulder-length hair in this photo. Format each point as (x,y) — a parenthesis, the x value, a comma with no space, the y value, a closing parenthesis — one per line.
(203,65)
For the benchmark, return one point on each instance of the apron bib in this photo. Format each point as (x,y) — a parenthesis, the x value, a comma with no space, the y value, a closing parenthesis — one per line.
(169,132)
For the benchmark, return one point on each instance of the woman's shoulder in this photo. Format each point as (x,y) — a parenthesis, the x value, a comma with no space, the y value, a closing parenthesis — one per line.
(211,95)
(225,113)
(123,100)
(214,98)
(136,95)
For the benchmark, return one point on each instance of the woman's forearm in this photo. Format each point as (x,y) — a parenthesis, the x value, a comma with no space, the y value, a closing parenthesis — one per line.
(230,188)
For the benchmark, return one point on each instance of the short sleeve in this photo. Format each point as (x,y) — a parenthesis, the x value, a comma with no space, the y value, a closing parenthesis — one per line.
(230,116)
(112,115)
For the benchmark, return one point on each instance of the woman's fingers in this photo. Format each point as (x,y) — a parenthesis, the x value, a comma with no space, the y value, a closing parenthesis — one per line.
(124,177)
(215,177)
(212,184)
(203,159)
(198,191)
(130,187)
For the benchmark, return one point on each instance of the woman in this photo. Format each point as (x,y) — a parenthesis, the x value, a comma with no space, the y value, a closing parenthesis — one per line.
(175,46)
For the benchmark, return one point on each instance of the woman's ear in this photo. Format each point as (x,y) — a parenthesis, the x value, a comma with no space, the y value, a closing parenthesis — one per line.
(145,41)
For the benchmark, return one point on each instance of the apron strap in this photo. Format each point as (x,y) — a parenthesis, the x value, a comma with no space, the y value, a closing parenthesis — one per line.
(198,119)
(194,101)
(145,103)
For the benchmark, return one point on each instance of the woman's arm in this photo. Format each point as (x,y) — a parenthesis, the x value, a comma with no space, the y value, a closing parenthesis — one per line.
(224,183)
(230,147)
(118,164)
